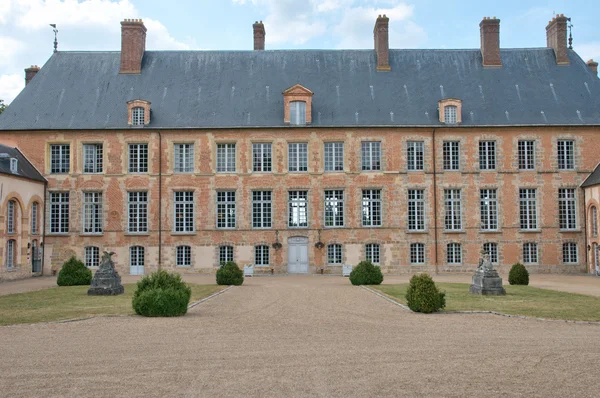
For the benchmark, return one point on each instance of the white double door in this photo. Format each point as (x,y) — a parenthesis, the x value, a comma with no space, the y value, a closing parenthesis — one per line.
(298,255)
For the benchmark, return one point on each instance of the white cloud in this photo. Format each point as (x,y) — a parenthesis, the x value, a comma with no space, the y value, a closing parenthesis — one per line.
(4,10)
(588,51)
(11,86)
(10,47)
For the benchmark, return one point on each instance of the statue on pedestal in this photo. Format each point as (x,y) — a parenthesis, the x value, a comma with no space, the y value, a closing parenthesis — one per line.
(486,280)
(106,281)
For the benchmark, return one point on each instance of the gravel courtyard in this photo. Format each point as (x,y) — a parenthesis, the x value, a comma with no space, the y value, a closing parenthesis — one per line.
(300,336)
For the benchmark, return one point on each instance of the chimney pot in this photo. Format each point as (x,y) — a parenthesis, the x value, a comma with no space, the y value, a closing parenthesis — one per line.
(556,38)
(382,43)
(30,73)
(490,42)
(133,45)
(593,65)
(259,36)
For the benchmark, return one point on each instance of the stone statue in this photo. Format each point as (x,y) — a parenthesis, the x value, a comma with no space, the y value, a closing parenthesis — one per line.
(486,280)
(106,281)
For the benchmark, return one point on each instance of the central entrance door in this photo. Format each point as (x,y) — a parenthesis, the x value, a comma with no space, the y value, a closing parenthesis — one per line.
(298,255)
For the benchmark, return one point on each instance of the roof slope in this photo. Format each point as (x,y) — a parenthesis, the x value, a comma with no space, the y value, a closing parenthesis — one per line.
(195,89)
(24,168)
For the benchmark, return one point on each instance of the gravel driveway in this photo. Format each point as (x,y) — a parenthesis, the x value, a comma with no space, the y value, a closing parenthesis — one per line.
(300,336)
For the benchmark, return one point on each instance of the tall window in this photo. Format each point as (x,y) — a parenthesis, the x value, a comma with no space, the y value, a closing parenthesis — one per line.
(225,254)
(35,211)
(60,158)
(414,155)
(184,211)
(138,212)
(334,208)
(334,156)
(298,209)
(594,222)
(528,208)
(262,209)
(371,207)
(298,113)
(334,254)
(492,249)
(138,158)
(570,253)
(137,116)
(371,155)
(183,158)
(372,252)
(416,210)
(487,155)
(526,155)
(183,256)
(261,255)
(297,156)
(566,154)
(530,253)
(451,155)
(417,253)
(225,158)
(92,256)
(59,212)
(14,166)
(136,256)
(453,218)
(226,209)
(488,205)
(92,158)
(450,114)
(454,253)
(10,217)
(567,205)
(92,212)
(261,157)
(10,253)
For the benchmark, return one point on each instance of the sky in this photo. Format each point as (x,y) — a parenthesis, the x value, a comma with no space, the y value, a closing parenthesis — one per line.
(93,25)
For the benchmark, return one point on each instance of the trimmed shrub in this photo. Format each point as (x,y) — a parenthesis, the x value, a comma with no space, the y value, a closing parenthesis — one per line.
(161,294)
(423,295)
(518,275)
(74,273)
(365,273)
(230,274)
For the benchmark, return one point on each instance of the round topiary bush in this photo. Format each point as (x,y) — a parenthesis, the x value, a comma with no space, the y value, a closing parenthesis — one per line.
(74,273)
(365,273)
(161,294)
(230,274)
(518,275)
(423,295)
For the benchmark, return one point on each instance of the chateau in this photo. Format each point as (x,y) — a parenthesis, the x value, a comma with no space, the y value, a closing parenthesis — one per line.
(300,161)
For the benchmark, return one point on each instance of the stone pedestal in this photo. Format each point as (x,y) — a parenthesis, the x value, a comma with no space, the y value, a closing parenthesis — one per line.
(106,281)
(487,282)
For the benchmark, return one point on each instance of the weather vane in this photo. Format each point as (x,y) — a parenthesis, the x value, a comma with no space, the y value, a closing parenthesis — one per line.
(570,25)
(55,36)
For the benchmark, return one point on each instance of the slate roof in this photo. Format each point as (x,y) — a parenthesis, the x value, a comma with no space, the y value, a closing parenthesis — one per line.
(228,89)
(593,178)
(24,168)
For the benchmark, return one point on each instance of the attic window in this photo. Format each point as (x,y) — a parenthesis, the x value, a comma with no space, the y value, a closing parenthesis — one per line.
(298,113)
(138,113)
(297,104)
(450,110)
(450,114)
(14,163)
(137,116)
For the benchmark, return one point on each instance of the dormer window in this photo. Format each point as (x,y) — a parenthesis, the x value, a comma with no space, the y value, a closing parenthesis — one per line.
(138,113)
(14,163)
(298,113)
(450,110)
(137,116)
(450,114)
(297,104)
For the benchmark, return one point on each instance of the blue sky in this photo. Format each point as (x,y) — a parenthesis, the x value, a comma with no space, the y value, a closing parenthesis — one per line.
(26,38)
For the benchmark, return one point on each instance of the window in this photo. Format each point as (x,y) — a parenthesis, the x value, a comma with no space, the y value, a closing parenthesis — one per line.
(138,158)
(566,206)
(570,253)
(35,210)
(261,255)
(334,208)
(136,256)
(417,253)
(450,114)
(334,254)
(184,211)
(492,250)
(334,156)
(451,155)
(60,158)
(528,208)
(298,209)
(371,207)
(566,158)
(10,217)
(487,155)
(226,209)
(92,158)
(225,254)
(183,256)
(183,156)
(416,210)
(488,204)
(59,212)
(454,253)
(372,251)
(594,222)
(262,209)
(92,212)
(14,165)
(371,155)
(526,155)
(453,219)
(297,157)
(137,116)
(298,113)
(10,253)
(92,256)
(225,158)
(261,158)
(138,212)
(414,155)
(530,253)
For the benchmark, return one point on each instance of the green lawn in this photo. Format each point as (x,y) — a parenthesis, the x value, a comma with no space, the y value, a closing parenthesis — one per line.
(519,300)
(73,302)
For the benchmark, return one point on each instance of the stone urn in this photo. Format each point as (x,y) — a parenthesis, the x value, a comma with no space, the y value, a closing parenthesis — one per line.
(486,280)
(106,281)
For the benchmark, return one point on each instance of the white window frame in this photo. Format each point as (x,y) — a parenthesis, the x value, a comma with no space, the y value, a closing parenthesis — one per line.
(298,113)
(183,256)
(137,212)
(138,158)
(11,217)
(450,114)
(10,253)
(570,253)
(488,209)
(183,158)
(91,256)
(567,209)
(59,212)
(492,249)
(226,210)
(60,158)
(183,212)
(226,254)
(415,155)
(14,165)
(334,156)
(453,210)
(262,256)
(372,208)
(334,254)
(262,157)
(262,209)
(226,162)
(566,154)
(528,212)
(138,116)
(371,155)
(373,253)
(594,221)
(298,209)
(92,217)
(526,154)
(417,253)
(334,209)
(451,155)
(530,253)
(297,157)
(137,256)
(454,253)
(416,210)
(35,211)
(93,158)
(487,155)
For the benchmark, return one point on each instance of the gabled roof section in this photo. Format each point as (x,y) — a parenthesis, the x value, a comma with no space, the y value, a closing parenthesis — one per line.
(24,168)
(298,89)
(593,178)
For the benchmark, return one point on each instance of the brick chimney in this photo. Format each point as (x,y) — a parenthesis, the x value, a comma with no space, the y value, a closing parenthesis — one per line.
(382,43)
(556,38)
(133,45)
(490,42)
(32,71)
(593,65)
(259,35)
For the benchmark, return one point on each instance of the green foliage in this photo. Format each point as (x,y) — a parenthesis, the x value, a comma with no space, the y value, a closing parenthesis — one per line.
(365,273)
(518,275)
(74,273)
(423,295)
(2,106)
(161,294)
(230,274)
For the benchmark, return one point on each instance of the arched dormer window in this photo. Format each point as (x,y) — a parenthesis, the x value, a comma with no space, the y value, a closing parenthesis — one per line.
(137,116)
(450,110)
(138,113)
(297,103)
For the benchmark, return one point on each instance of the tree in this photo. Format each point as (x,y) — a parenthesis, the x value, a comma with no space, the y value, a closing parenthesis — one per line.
(2,106)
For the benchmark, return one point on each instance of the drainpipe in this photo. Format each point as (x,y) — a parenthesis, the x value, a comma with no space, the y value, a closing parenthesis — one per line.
(159,200)
(585,223)
(435,207)
(43,244)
